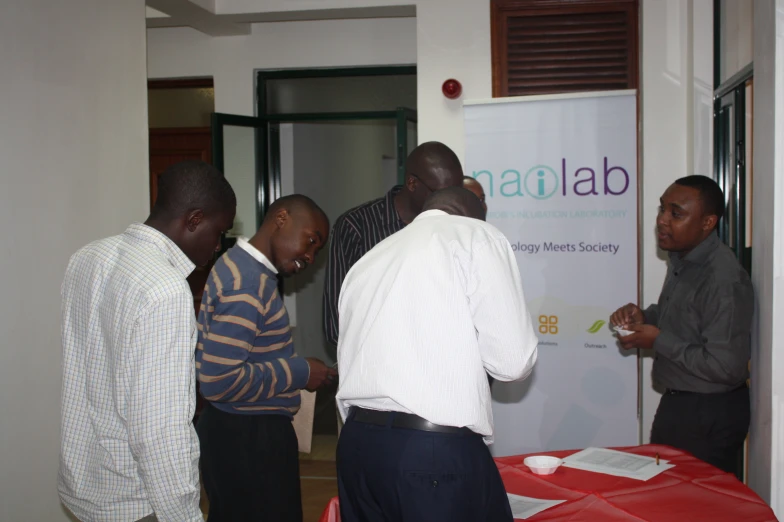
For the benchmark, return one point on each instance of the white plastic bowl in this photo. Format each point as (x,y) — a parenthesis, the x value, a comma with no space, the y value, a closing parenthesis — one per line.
(542,464)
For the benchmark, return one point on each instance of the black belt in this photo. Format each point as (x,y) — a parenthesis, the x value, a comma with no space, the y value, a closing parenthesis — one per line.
(670,391)
(397,419)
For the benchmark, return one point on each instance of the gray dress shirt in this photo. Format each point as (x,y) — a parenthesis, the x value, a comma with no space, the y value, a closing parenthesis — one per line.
(704,314)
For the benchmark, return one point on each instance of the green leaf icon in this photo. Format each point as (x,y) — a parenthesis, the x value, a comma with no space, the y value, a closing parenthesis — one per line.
(595,327)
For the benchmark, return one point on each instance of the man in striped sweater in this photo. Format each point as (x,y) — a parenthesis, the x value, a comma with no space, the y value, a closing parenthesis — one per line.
(249,372)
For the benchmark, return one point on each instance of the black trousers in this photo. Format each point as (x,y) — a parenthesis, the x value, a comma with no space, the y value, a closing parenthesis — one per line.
(390,474)
(250,467)
(710,426)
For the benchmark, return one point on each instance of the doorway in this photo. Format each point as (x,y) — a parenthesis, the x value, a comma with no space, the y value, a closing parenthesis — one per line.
(341,137)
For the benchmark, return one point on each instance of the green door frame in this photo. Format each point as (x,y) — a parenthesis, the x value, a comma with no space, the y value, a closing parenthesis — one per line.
(729,143)
(270,138)
(218,121)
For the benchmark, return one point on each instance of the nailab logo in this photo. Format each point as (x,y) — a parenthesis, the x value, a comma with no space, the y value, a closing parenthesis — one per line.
(543,181)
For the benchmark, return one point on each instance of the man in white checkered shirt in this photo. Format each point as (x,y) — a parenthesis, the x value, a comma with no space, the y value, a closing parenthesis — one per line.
(128,448)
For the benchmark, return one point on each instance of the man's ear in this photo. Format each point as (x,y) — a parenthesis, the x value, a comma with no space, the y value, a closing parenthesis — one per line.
(281,217)
(410,183)
(194,219)
(709,222)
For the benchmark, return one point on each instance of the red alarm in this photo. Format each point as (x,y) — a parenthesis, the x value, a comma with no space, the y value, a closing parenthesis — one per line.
(452,89)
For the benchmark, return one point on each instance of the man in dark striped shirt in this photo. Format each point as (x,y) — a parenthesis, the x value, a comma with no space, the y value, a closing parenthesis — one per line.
(431,166)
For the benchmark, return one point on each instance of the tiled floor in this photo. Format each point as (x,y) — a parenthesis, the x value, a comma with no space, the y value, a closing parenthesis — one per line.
(319,485)
(317,477)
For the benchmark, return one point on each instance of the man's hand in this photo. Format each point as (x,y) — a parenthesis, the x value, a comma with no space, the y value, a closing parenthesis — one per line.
(627,315)
(643,336)
(320,374)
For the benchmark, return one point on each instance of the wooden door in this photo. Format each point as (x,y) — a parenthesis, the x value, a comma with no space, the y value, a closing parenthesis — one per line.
(170,146)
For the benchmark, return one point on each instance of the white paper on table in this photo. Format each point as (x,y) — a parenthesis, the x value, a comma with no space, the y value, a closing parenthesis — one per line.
(303,420)
(526,507)
(617,463)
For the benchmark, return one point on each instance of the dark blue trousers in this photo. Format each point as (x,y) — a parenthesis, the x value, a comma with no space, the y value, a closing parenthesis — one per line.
(390,474)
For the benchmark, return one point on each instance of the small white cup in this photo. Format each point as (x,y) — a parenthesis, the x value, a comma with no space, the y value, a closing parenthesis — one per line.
(542,464)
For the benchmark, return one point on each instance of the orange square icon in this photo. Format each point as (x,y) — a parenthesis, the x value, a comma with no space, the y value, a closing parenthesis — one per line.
(548,324)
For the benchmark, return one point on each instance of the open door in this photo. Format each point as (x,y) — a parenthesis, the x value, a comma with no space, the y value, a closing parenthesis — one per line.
(237,145)
(404,121)
(338,159)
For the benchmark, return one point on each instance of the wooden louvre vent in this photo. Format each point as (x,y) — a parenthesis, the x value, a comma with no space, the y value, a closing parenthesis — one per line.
(558,46)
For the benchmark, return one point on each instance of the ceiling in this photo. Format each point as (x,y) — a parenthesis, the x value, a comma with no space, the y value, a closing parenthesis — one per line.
(198,15)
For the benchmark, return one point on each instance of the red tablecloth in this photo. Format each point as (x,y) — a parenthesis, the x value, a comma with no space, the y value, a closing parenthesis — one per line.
(691,491)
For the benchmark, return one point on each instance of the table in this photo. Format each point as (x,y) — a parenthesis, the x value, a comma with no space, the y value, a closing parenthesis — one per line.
(691,491)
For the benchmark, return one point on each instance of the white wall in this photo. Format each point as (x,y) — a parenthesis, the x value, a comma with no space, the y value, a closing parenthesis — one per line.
(250,6)
(737,30)
(448,39)
(231,60)
(453,41)
(340,165)
(676,114)
(73,143)
(766,444)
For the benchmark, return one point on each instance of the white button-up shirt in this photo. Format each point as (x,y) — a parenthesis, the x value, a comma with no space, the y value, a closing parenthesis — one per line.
(425,314)
(128,446)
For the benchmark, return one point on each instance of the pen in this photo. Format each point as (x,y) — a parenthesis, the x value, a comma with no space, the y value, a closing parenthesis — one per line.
(657,459)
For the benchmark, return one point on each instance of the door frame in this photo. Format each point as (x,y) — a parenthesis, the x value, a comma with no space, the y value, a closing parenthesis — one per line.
(269,138)
(217,122)
(729,144)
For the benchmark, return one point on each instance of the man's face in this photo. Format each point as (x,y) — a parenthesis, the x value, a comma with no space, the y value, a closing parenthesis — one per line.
(297,240)
(682,224)
(476,187)
(205,234)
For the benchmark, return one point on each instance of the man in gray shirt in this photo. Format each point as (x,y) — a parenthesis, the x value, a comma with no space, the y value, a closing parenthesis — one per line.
(700,329)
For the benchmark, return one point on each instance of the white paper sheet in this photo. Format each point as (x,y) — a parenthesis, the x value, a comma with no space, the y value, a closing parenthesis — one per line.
(617,463)
(303,421)
(526,507)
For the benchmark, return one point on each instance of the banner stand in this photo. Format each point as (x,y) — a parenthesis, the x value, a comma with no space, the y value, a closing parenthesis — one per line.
(560,176)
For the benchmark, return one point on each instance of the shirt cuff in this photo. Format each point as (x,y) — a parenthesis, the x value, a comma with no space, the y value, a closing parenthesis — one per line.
(300,372)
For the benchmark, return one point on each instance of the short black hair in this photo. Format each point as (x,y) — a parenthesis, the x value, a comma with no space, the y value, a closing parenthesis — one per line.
(297,203)
(457,201)
(435,162)
(192,185)
(711,194)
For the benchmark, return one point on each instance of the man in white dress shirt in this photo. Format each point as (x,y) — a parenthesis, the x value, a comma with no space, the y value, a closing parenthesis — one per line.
(128,447)
(423,317)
